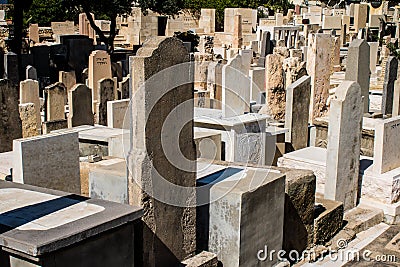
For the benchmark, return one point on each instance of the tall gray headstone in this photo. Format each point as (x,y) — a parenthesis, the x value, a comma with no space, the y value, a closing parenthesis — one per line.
(344,144)
(80,106)
(10,122)
(358,69)
(162,156)
(388,85)
(298,96)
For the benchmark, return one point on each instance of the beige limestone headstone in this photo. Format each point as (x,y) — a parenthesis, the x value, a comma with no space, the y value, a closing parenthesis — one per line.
(29,93)
(99,68)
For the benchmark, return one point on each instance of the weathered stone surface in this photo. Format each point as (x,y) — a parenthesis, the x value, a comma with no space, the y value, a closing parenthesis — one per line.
(99,68)
(105,94)
(116,111)
(55,96)
(358,68)
(257,83)
(237,32)
(318,67)
(29,93)
(241,204)
(49,126)
(328,219)
(388,85)
(274,86)
(344,145)
(27,113)
(31,73)
(386,156)
(10,122)
(169,231)
(49,161)
(203,259)
(80,106)
(11,71)
(294,69)
(298,227)
(235,88)
(297,114)
(68,78)
(124,87)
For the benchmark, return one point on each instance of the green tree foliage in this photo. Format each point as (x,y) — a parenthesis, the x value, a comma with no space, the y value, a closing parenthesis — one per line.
(44,12)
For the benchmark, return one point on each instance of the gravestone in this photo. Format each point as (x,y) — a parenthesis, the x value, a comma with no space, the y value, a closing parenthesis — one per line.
(80,106)
(50,161)
(10,123)
(257,83)
(116,111)
(68,78)
(124,88)
(99,68)
(373,52)
(386,143)
(344,144)
(274,86)
(163,105)
(388,85)
(358,68)
(297,114)
(29,93)
(27,113)
(237,32)
(66,27)
(105,93)
(235,88)
(34,33)
(11,71)
(360,16)
(31,73)
(54,96)
(318,62)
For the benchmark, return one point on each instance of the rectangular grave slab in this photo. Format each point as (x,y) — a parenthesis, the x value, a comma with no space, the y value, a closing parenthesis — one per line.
(45,227)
